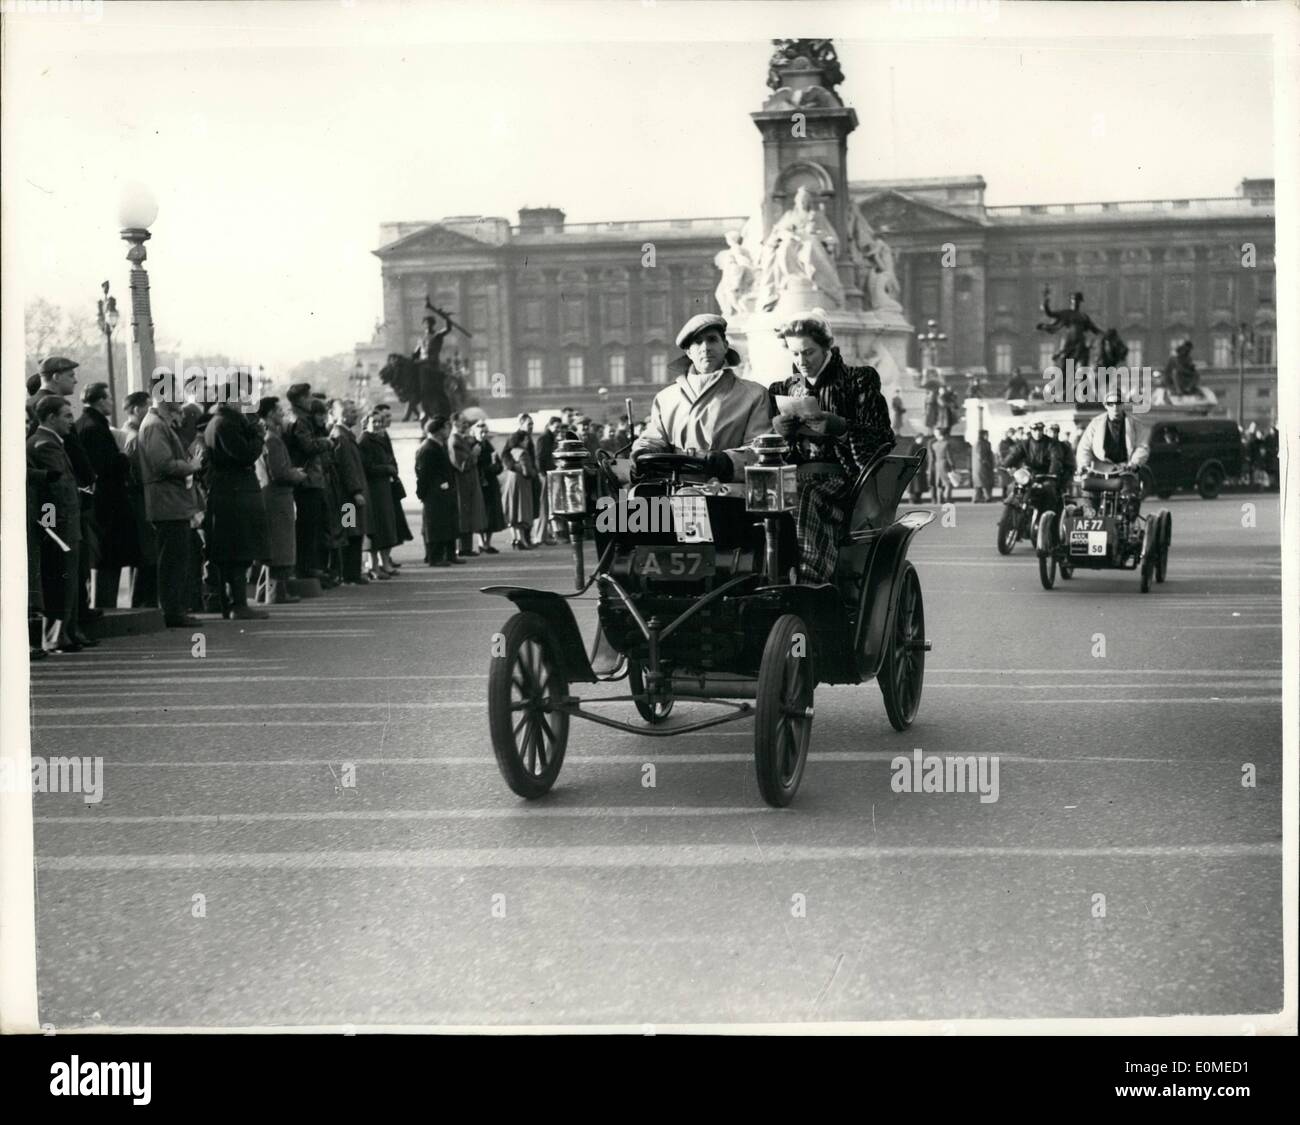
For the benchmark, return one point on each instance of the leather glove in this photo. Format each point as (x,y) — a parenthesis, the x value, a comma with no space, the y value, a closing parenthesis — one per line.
(787,425)
(720,466)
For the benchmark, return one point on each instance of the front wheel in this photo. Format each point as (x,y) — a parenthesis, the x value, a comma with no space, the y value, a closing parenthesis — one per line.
(1008,532)
(902,675)
(1166,533)
(524,684)
(651,710)
(1047,551)
(784,713)
(1148,568)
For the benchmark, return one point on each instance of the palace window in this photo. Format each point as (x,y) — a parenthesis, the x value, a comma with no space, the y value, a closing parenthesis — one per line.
(478,314)
(1221,292)
(617,369)
(1178,294)
(1264,288)
(575,312)
(533,370)
(1221,344)
(659,367)
(1264,348)
(575,370)
(656,311)
(1134,357)
(533,315)
(480,372)
(615,310)
(1045,350)
(928,291)
(1004,296)
(1002,359)
(1135,294)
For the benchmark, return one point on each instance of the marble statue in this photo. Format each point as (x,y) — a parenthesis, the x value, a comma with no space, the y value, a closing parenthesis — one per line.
(800,246)
(735,292)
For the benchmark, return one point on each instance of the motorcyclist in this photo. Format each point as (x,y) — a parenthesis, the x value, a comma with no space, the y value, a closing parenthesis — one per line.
(1113,440)
(1042,457)
(1068,463)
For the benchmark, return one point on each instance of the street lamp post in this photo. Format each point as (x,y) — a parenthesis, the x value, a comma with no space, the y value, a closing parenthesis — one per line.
(108,318)
(136,213)
(1243,346)
(930,340)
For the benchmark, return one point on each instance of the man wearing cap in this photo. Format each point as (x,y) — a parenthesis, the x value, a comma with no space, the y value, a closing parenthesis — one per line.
(708,409)
(1067,452)
(832,445)
(1113,438)
(1041,456)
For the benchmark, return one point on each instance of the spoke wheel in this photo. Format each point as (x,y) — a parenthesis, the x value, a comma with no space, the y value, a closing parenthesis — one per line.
(1007,533)
(652,711)
(784,710)
(1148,567)
(1047,551)
(528,738)
(903,672)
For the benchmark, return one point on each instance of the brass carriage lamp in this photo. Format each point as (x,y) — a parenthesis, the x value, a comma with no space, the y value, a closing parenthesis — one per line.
(771,486)
(566,487)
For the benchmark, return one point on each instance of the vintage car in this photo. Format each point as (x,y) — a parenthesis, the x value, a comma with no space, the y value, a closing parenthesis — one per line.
(702,603)
(1102,527)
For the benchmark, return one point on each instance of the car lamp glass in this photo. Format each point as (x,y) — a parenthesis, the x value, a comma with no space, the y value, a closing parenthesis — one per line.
(1023,476)
(566,487)
(771,486)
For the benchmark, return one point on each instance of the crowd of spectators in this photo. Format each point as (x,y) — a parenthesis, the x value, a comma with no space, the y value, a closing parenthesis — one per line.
(218,507)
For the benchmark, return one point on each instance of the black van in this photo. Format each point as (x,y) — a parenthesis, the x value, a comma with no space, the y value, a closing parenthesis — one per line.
(1199,453)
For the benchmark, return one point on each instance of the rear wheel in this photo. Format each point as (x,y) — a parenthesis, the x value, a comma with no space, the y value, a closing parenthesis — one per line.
(1007,530)
(652,711)
(524,682)
(1166,532)
(1047,551)
(902,675)
(784,713)
(1210,482)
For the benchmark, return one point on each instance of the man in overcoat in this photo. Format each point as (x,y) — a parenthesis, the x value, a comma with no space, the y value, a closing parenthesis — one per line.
(435,485)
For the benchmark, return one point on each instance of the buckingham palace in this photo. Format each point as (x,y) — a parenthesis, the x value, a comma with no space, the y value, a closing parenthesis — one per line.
(586,312)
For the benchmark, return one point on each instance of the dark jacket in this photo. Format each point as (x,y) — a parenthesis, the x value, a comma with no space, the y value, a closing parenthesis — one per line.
(118,543)
(81,465)
(47,452)
(435,485)
(305,445)
(277,477)
(853,394)
(1041,456)
(381,471)
(354,489)
(235,524)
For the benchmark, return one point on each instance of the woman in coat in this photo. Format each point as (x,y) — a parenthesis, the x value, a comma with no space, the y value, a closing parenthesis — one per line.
(489,472)
(277,475)
(381,471)
(435,485)
(398,489)
(334,538)
(235,527)
(517,494)
(469,492)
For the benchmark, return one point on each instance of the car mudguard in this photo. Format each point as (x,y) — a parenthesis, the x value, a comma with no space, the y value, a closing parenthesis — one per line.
(570,652)
(880,591)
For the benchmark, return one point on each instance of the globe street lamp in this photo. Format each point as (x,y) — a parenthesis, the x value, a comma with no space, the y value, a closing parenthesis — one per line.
(137,211)
(930,340)
(108,318)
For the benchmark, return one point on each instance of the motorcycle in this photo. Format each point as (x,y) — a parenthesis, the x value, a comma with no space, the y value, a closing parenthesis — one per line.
(1030,496)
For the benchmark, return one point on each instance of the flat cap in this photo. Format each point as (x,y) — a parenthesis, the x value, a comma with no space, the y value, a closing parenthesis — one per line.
(56,365)
(698,324)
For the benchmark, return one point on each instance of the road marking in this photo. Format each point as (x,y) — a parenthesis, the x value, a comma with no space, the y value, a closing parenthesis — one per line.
(478,704)
(702,758)
(525,860)
(507,813)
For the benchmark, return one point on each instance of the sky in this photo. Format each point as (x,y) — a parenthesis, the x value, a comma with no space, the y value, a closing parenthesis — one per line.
(276,137)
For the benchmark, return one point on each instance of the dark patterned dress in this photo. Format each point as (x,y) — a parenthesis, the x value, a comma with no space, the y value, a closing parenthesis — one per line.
(852,393)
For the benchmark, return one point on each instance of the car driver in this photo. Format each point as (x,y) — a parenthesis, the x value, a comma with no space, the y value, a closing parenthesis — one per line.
(709,410)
